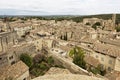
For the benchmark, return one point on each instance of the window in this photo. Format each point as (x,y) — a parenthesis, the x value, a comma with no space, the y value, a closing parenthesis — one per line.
(88,45)
(96,56)
(61,52)
(11,57)
(24,79)
(12,62)
(52,49)
(110,61)
(102,66)
(109,69)
(56,50)
(38,50)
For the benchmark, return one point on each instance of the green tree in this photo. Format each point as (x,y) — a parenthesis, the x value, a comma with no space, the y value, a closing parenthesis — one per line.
(95,70)
(26,59)
(98,70)
(78,57)
(87,23)
(50,60)
(96,25)
(118,28)
(71,53)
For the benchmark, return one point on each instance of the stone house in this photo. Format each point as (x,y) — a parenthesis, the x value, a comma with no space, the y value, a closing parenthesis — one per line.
(17,71)
(91,21)
(115,75)
(108,56)
(91,61)
(21,29)
(40,43)
(7,39)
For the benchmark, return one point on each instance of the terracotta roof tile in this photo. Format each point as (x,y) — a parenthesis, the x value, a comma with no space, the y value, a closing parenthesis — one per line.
(107,49)
(91,61)
(14,70)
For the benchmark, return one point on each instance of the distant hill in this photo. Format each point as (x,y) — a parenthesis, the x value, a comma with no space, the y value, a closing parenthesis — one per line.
(76,18)
(102,16)
(80,18)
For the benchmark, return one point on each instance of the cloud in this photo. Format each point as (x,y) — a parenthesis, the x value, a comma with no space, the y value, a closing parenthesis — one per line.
(75,7)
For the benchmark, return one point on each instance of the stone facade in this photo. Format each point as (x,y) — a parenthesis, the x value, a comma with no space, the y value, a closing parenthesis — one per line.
(18,71)
(7,40)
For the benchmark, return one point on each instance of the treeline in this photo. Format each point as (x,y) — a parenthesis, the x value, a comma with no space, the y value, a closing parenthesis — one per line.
(77,18)
(68,17)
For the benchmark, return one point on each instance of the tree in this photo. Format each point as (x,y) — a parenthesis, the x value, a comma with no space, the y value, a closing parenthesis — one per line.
(118,28)
(78,57)
(98,70)
(71,53)
(95,70)
(38,58)
(26,59)
(87,23)
(96,25)
(50,60)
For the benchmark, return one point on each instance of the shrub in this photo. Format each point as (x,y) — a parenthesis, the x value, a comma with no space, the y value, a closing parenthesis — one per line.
(96,25)
(50,60)
(78,57)
(43,66)
(38,58)
(95,70)
(87,23)
(36,72)
(118,28)
(26,59)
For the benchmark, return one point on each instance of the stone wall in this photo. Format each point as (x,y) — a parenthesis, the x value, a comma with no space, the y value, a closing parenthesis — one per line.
(7,39)
(24,76)
(59,60)
(3,60)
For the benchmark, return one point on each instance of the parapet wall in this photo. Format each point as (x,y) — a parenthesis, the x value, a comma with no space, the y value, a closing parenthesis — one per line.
(59,60)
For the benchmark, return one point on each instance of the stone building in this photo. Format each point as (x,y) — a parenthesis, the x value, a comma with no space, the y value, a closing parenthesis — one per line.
(108,25)
(18,71)
(40,43)
(91,21)
(7,40)
(108,56)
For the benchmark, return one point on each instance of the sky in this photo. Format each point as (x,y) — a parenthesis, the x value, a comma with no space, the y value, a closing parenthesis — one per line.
(58,7)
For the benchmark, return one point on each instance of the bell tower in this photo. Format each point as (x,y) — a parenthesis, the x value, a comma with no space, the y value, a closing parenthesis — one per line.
(114,20)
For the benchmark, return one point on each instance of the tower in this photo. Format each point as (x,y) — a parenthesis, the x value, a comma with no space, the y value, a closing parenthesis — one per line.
(113,20)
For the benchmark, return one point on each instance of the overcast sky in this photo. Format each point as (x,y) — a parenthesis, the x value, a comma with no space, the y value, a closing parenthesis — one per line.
(58,7)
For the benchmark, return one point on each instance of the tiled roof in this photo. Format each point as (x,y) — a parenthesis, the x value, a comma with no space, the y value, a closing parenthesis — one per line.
(13,71)
(113,75)
(107,49)
(65,48)
(91,61)
(67,77)
(55,70)
(112,42)
(88,40)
